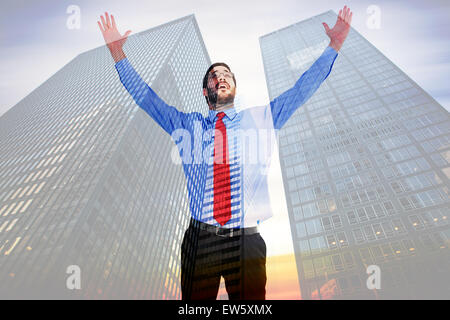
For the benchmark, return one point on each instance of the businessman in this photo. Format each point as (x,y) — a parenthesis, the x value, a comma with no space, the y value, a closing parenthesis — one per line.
(227,184)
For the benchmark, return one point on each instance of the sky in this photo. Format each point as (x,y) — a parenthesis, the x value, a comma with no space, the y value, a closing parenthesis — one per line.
(36,42)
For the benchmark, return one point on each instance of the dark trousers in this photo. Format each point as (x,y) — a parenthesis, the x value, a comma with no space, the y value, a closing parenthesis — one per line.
(206,257)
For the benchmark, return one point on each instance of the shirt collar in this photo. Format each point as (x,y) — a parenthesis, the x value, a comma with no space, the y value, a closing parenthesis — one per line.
(230,113)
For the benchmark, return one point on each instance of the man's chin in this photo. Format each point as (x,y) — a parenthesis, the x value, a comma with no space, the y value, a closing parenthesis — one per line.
(225,100)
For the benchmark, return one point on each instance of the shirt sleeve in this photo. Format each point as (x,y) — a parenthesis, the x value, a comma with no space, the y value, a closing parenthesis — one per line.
(285,105)
(168,117)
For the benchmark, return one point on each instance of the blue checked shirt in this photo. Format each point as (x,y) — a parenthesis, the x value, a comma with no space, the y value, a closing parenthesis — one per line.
(251,135)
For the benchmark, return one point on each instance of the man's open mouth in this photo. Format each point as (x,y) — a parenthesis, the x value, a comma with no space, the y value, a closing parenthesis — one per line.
(222,86)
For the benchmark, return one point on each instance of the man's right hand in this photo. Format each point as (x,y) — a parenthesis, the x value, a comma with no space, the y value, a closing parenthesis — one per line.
(113,39)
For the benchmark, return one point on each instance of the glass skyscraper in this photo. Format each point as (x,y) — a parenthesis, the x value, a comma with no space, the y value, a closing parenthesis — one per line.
(366,168)
(86,176)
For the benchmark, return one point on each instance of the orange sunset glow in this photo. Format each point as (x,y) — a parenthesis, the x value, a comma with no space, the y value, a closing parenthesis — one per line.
(282,279)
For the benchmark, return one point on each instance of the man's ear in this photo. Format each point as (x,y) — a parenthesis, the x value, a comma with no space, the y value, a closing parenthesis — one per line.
(205,94)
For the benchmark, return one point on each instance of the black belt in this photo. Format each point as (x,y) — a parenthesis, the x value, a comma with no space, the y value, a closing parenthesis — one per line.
(223,232)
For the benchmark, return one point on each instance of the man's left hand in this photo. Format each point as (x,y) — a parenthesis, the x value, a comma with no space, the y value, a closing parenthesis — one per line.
(339,32)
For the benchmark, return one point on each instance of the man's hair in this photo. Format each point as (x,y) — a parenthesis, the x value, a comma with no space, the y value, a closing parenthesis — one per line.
(205,78)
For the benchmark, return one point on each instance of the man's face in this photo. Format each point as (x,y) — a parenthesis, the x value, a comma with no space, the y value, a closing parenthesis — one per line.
(221,88)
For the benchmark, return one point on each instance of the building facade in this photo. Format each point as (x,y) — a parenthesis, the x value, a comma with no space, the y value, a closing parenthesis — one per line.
(366,168)
(87,182)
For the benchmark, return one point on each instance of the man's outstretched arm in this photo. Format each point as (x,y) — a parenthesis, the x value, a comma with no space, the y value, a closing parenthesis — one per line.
(168,117)
(285,105)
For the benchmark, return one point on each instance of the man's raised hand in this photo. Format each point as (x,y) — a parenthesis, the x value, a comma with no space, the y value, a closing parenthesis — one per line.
(339,32)
(113,39)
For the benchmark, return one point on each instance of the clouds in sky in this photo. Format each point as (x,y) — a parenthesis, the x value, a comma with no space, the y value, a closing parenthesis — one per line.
(36,42)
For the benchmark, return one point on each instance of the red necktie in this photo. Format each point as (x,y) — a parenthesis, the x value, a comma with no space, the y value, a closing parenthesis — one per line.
(222,187)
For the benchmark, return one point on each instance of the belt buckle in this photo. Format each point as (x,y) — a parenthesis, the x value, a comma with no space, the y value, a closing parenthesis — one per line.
(229,234)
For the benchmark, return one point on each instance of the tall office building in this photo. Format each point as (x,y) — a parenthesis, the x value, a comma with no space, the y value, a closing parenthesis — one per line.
(366,168)
(87,177)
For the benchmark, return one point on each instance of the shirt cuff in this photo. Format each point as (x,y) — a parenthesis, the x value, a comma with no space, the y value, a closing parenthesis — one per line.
(329,51)
(122,64)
